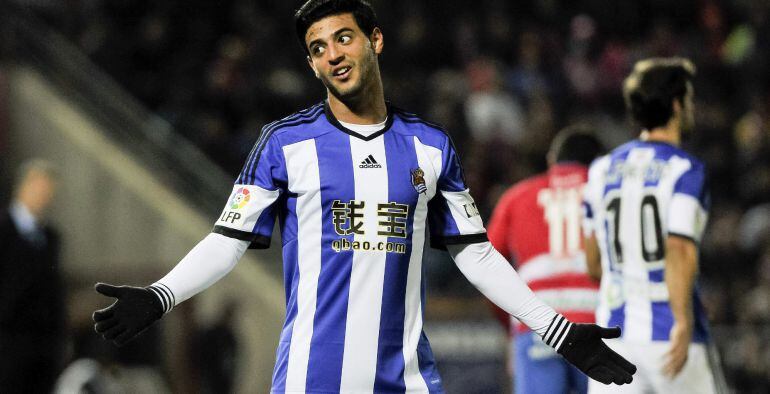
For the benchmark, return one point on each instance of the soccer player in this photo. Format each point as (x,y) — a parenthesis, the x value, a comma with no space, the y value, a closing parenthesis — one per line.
(353,182)
(648,203)
(537,225)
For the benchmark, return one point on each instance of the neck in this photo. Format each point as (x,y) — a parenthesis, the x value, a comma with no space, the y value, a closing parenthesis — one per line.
(670,133)
(367,107)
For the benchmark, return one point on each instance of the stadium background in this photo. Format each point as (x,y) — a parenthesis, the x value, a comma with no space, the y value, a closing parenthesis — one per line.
(125,94)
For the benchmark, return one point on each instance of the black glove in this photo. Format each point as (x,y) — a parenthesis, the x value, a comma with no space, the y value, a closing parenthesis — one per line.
(135,310)
(583,347)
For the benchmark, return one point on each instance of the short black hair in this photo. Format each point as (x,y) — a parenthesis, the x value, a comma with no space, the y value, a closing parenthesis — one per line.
(576,144)
(315,10)
(653,85)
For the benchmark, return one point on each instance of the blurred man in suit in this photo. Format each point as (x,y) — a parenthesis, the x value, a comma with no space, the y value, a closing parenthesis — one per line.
(31,301)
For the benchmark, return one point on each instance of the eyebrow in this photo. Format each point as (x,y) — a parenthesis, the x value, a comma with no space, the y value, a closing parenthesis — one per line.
(335,34)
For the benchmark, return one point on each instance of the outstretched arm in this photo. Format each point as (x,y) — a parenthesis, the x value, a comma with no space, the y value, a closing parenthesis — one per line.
(246,221)
(137,308)
(580,344)
(681,270)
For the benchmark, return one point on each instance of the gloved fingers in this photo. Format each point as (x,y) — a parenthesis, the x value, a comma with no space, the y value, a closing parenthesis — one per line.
(105,325)
(609,333)
(621,362)
(620,376)
(103,314)
(616,373)
(125,337)
(108,290)
(113,332)
(601,374)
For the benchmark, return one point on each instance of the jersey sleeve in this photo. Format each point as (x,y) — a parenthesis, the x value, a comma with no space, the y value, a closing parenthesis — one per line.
(453,216)
(249,214)
(688,210)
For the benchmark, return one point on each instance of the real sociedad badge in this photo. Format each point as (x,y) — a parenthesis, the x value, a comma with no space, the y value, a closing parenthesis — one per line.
(418,181)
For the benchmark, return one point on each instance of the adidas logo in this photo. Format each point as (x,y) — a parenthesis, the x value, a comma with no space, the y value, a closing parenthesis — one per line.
(369,162)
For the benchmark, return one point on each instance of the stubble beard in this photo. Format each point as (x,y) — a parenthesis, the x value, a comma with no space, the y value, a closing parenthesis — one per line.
(353,93)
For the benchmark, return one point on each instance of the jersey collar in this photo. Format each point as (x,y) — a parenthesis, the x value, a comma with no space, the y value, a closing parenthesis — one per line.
(336,123)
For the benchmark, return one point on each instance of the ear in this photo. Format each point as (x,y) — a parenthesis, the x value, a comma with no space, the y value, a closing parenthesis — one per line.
(676,106)
(377,40)
(312,67)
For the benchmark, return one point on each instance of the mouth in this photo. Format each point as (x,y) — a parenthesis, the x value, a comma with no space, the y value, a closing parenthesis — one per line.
(342,73)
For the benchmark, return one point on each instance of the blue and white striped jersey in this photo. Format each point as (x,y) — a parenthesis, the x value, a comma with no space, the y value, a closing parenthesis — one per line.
(636,196)
(353,211)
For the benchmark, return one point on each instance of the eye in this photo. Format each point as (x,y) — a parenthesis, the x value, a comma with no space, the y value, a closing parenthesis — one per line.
(317,50)
(344,39)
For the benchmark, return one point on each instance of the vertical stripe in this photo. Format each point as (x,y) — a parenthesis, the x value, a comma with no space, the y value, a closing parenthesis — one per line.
(390,361)
(304,180)
(638,325)
(367,275)
(414,380)
(326,353)
(291,284)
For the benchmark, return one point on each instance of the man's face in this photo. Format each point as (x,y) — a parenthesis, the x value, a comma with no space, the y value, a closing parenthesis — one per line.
(37,192)
(341,55)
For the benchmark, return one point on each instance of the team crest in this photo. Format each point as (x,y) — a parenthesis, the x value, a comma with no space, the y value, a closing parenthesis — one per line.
(418,181)
(240,199)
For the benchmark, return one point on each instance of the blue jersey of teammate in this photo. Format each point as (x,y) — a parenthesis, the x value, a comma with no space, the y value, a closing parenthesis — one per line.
(636,196)
(352,210)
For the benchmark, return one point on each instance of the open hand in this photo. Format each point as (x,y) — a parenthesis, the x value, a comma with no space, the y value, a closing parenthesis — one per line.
(135,309)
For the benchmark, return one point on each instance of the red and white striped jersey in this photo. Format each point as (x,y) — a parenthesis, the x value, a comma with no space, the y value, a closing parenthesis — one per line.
(537,225)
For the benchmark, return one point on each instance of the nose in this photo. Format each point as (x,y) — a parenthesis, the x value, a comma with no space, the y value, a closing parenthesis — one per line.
(335,55)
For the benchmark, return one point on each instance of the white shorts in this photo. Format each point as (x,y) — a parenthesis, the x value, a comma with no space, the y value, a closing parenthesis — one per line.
(696,377)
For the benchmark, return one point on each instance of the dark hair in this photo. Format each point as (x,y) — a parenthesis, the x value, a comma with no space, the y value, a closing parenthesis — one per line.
(576,144)
(653,85)
(315,10)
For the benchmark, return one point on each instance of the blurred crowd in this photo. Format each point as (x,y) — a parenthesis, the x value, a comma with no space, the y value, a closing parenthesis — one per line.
(503,77)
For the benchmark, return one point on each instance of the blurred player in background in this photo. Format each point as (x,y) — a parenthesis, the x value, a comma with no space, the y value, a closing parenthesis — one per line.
(32,305)
(537,225)
(648,202)
(353,182)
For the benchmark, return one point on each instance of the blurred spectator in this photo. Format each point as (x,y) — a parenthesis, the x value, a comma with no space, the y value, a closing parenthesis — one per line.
(31,299)
(493,114)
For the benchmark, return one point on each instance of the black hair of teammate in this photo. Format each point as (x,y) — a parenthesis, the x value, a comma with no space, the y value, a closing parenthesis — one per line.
(653,85)
(575,144)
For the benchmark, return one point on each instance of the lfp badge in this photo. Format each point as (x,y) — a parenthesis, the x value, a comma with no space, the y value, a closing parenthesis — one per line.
(240,199)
